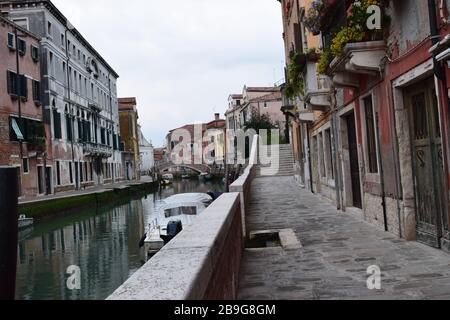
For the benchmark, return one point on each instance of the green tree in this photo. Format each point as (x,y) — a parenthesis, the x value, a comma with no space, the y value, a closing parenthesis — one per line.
(259,122)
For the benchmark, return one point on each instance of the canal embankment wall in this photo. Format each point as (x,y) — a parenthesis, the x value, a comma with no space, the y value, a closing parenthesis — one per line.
(203,262)
(45,208)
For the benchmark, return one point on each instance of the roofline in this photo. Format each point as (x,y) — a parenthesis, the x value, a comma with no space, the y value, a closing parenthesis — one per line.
(60,16)
(14,25)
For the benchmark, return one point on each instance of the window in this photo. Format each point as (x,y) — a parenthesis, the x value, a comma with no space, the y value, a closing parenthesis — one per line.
(321,156)
(70,172)
(36,92)
(49,29)
(57,124)
(25,165)
(21,22)
(370,136)
(64,72)
(58,173)
(63,39)
(329,154)
(238,102)
(51,67)
(11,41)
(81,172)
(35,53)
(23,88)
(12,87)
(17,86)
(69,128)
(22,46)
(79,55)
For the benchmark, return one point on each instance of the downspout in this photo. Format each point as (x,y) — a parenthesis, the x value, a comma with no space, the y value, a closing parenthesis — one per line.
(71,116)
(311,183)
(111,115)
(380,161)
(19,100)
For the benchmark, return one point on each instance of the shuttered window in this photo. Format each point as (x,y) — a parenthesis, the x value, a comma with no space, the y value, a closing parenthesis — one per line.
(36,91)
(23,88)
(22,46)
(35,53)
(11,80)
(11,41)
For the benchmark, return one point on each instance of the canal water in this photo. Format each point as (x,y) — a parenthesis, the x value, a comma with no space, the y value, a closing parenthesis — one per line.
(103,245)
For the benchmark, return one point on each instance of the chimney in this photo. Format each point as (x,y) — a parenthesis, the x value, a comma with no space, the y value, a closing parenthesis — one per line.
(217,116)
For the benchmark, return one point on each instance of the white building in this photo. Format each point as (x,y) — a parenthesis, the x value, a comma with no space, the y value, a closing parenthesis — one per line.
(146,155)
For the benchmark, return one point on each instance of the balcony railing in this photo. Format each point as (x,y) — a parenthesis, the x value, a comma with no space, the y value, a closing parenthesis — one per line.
(358,58)
(97,150)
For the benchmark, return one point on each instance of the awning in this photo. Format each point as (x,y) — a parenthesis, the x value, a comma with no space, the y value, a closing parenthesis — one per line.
(16,129)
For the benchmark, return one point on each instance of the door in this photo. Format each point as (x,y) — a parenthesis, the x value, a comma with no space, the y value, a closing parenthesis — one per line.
(354,161)
(48,180)
(428,164)
(40,181)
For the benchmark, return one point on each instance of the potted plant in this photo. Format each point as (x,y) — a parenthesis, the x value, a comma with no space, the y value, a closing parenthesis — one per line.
(312,17)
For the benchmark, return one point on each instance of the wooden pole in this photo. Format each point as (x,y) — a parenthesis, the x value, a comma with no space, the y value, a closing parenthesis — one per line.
(9,215)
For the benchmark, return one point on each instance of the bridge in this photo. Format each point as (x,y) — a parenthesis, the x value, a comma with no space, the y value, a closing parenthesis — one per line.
(166,165)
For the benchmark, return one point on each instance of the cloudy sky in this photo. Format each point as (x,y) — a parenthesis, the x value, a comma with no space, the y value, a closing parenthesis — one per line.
(182,58)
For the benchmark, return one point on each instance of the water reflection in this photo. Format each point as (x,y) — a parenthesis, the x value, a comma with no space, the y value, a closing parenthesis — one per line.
(103,244)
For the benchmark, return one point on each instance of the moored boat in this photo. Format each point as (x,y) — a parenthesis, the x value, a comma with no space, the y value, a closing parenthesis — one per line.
(25,222)
(175,213)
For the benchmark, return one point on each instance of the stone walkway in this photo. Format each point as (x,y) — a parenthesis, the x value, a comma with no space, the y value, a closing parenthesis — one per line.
(337,250)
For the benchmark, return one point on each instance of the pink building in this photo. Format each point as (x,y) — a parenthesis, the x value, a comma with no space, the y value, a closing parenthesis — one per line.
(22,129)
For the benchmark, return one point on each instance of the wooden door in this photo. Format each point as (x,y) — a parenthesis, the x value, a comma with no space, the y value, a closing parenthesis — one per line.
(427,162)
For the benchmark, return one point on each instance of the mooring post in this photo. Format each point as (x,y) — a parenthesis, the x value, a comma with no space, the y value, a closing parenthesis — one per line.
(9,215)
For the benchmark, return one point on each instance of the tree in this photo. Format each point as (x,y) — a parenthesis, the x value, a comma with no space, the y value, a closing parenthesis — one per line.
(259,122)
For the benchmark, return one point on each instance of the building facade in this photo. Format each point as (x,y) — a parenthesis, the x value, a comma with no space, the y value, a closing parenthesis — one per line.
(372,125)
(22,129)
(206,145)
(79,98)
(263,100)
(130,131)
(147,157)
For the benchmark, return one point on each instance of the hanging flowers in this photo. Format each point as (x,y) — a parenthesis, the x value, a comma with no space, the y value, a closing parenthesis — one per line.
(312,18)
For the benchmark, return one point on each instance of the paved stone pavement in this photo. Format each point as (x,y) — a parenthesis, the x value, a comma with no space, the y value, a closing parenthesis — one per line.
(337,250)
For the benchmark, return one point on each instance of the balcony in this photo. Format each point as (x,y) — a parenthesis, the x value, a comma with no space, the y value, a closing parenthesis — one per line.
(360,58)
(92,149)
(317,95)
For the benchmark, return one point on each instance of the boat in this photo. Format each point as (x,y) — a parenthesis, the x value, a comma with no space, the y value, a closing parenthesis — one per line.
(185,176)
(167,179)
(204,176)
(25,222)
(175,213)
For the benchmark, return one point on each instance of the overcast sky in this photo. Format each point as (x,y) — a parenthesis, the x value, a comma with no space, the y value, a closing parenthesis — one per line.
(182,58)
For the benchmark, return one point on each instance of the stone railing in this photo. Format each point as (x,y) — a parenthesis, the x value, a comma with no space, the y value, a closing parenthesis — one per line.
(202,262)
(243,184)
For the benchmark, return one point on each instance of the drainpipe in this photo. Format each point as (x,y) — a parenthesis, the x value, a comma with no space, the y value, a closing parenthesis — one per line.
(112,122)
(19,100)
(337,177)
(311,183)
(380,161)
(71,116)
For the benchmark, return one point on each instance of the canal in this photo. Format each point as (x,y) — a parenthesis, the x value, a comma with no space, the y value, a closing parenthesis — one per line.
(101,244)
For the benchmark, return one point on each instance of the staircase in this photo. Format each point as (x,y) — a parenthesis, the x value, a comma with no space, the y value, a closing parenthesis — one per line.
(283,163)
